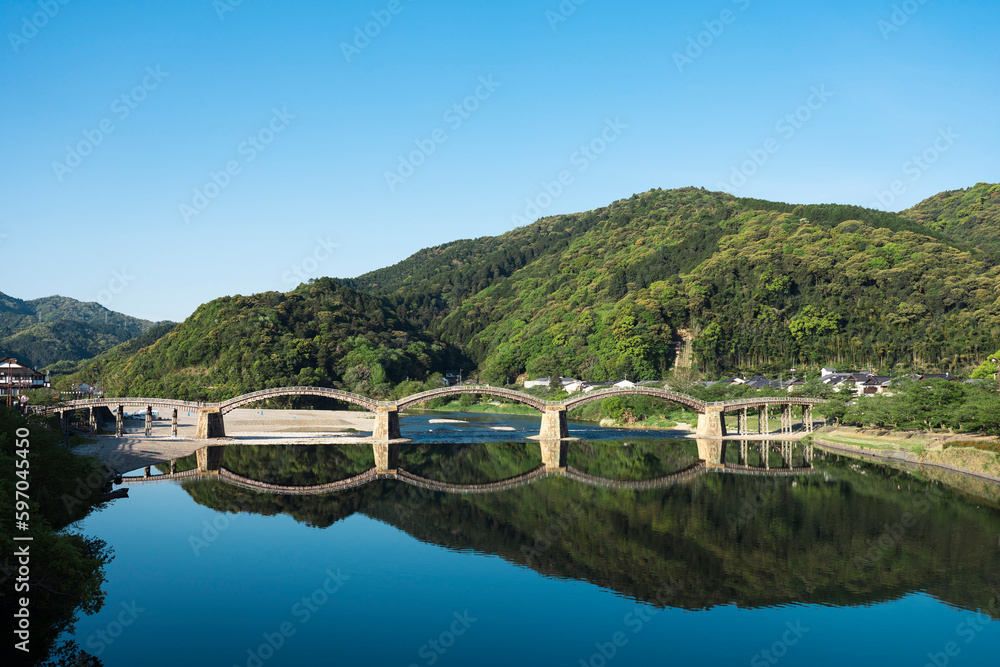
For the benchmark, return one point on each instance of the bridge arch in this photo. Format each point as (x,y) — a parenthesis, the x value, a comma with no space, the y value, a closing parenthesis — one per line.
(347,397)
(125,402)
(665,394)
(500,392)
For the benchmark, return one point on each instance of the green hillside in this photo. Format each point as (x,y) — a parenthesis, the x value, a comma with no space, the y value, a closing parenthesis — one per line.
(323,333)
(759,285)
(42,332)
(971,215)
(744,284)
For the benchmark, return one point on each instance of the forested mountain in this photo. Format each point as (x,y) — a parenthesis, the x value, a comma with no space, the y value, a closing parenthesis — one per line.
(746,284)
(971,215)
(759,285)
(324,333)
(55,329)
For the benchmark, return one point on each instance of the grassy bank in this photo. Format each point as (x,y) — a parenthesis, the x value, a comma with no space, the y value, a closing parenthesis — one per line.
(974,455)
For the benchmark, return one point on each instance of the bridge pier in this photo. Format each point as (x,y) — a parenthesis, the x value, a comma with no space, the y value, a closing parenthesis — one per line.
(710,451)
(210,458)
(554,424)
(210,425)
(173,466)
(744,452)
(764,420)
(765,458)
(386,424)
(173,425)
(92,420)
(386,456)
(149,420)
(711,424)
(554,454)
(120,421)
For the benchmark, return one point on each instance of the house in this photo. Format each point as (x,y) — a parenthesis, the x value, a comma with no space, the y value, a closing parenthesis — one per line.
(17,379)
(544,382)
(873,384)
(625,384)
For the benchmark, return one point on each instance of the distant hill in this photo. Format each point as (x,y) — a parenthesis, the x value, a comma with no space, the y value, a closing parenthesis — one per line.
(46,331)
(323,333)
(971,215)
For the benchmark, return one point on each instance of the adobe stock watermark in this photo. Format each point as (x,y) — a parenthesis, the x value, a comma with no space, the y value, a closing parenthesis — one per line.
(701,42)
(634,622)
(121,108)
(308,266)
(223,7)
(363,35)
(581,159)
(302,611)
(255,144)
(211,530)
(562,13)
(967,630)
(454,116)
(120,280)
(98,642)
(900,16)
(786,127)
(433,649)
(779,649)
(30,25)
(916,167)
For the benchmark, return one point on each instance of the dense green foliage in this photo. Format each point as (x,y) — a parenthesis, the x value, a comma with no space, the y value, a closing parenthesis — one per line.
(67,568)
(759,285)
(42,332)
(933,404)
(323,333)
(971,215)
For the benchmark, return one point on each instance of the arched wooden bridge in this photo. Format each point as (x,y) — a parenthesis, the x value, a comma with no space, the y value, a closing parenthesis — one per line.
(711,421)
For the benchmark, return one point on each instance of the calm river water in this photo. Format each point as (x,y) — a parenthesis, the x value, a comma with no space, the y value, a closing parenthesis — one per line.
(846,563)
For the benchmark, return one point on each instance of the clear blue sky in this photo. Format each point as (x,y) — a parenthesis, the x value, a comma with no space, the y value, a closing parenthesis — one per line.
(201,78)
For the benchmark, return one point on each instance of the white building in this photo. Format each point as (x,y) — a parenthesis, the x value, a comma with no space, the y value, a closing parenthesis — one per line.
(17,378)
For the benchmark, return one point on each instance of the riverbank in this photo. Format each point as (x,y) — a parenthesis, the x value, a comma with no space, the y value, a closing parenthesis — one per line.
(958,453)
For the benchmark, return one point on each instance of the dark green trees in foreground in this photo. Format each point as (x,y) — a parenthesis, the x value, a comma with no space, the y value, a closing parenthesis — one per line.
(66,568)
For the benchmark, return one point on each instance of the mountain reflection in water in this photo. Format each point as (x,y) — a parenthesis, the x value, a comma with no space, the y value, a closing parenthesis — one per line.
(839,532)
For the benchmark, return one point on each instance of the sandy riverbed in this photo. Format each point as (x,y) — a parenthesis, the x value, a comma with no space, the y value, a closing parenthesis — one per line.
(243,427)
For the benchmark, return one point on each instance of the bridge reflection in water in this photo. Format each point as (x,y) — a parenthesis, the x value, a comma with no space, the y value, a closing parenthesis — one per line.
(764,458)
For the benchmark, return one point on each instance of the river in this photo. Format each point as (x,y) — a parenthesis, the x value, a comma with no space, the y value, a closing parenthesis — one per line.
(843,563)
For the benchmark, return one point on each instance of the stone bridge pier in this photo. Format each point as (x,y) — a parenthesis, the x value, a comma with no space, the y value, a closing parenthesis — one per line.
(210,458)
(386,424)
(386,456)
(554,454)
(711,424)
(210,425)
(554,424)
(710,450)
